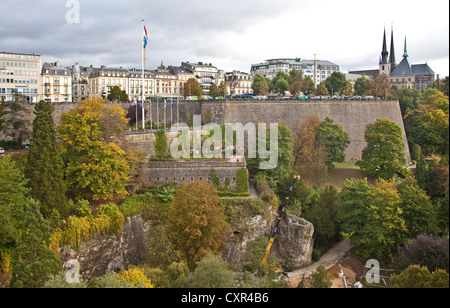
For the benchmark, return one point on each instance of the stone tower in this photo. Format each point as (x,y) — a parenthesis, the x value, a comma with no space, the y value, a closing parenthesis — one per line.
(385,65)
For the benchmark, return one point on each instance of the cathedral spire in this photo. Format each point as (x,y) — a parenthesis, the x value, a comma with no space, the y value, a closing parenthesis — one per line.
(384,53)
(392,57)
(405,55)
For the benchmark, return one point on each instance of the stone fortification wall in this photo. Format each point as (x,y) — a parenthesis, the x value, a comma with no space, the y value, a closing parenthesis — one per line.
(185,171)
(353,116)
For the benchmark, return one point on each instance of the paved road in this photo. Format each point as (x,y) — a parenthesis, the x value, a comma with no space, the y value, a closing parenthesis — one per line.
(328,260)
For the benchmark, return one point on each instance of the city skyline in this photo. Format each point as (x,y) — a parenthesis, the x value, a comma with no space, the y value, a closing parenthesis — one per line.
(231,35)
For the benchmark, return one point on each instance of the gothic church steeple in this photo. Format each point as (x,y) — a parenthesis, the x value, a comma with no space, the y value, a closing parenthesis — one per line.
(392,57)
(385,65)
(384,52)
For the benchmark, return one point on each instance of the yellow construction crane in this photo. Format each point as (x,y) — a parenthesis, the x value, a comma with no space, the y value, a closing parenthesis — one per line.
(278,221)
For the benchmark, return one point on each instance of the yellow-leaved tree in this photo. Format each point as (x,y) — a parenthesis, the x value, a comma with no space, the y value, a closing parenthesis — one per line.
(96,167)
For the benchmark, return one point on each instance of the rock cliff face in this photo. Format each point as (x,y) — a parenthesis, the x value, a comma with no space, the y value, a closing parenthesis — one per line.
(293,244)
(106,253)
(103,254)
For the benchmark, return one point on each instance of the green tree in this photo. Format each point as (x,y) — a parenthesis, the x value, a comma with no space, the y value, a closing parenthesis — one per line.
(281,86)
(32,262)
(197,222)
(13,197)
(428,124)
(160,145)
(44,165)
(384,155)
(417,210)
(420,277)
(242,180)
(260,85)
(335,141)
(336,83)
(422,173)
(408,98)
(212,272)
(360,86)
(192,88)
(280,83)
(222,89)
(372,215)
(322,90)
(323,216)
(308,86)
(320,279)
(214,178)
(117,94)
(160,252)
(285,155)
(214,91)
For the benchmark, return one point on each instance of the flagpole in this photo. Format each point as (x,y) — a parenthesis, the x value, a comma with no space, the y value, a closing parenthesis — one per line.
(171,112)
(165,106)
(143,72)
(157,112)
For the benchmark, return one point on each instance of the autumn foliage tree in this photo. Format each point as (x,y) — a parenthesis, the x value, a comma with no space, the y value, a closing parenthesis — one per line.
(197,222)
(96,168)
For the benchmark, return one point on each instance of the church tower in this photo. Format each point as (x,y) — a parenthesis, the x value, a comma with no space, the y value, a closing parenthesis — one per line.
(392,56)
(385,65)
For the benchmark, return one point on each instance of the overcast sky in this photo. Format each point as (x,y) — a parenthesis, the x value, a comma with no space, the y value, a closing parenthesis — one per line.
(231,34)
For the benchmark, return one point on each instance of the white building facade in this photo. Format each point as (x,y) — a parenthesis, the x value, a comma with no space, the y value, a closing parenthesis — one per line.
(22,73)
(317,70)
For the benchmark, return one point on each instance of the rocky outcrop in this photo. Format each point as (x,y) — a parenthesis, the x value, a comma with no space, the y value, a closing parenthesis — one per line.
(294,242)
(106,253)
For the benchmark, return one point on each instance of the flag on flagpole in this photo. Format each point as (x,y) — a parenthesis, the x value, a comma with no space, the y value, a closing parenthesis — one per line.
(134,102)
(145,37)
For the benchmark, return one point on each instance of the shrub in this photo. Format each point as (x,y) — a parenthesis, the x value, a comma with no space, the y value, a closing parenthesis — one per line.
(242,180)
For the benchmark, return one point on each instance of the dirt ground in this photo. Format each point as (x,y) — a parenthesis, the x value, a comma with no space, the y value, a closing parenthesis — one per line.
(352,268)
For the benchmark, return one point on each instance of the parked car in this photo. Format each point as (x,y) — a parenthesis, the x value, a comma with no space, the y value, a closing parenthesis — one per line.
(2,151)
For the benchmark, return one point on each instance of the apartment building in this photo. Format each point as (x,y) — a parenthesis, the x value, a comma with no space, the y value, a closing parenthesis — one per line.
(317,70)
(239,83)
(20,72)
(164,82)
(206,74)
(80,85)
(56,83)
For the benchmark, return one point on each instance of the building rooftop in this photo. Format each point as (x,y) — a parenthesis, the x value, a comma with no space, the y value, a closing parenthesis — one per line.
(403,69)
